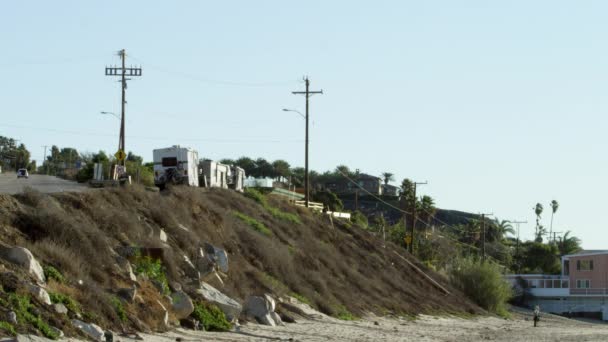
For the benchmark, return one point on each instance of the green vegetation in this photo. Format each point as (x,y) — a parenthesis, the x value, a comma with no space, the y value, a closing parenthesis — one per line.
(8,328)
(66,300)
(255,224)
(51,272)
(344,314)
(483,283)
(275,212)
(359,219)
(211,317)
(119,308)
(301,298)
(23,308)
(153,269)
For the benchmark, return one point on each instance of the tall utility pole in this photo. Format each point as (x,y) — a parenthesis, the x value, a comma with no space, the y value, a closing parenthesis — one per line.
(308,94)
(414,215)
(517,223)
(483,236)
(44,160)
(123,72)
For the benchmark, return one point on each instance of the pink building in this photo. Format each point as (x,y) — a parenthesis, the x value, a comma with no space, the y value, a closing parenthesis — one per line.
(582,288)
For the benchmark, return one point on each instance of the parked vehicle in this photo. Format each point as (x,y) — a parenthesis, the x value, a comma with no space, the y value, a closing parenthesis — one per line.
(180,165)
(175,165)
(22,173)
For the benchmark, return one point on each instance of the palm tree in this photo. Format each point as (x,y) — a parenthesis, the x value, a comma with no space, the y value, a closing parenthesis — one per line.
(388,177)
(538,209)
(568,244)
(554,206)
(500,230)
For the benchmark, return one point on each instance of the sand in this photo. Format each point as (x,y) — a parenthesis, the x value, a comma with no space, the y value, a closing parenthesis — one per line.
(425,328)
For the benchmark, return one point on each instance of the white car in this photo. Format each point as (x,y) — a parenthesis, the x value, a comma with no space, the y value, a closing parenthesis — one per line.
(22,173)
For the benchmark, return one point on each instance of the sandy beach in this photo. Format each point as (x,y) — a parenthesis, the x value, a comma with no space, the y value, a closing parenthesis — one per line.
(425,328)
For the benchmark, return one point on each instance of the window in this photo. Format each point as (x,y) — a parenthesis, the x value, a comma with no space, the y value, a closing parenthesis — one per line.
(168,162)
(583,283)
(584,265)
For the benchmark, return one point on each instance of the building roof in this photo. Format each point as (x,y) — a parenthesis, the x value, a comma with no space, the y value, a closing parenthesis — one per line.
(587,252)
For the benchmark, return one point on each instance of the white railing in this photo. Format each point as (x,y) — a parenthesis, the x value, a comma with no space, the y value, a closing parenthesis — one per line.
(589,292)
(311,205)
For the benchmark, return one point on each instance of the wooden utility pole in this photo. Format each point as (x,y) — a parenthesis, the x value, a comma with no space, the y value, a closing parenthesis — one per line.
(46,165)
(308,94)
(414,215)
(483,236)
(123,72)
(517,223)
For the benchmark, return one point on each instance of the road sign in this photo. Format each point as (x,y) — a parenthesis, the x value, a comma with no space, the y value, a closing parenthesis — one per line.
(120,155)
(408,239)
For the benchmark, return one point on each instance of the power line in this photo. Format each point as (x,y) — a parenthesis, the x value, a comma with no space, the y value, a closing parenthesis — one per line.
(212,81)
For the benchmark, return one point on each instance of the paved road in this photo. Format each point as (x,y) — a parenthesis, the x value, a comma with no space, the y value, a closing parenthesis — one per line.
(9,184)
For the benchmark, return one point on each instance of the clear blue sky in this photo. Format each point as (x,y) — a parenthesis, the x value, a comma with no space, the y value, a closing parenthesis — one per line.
(498,104)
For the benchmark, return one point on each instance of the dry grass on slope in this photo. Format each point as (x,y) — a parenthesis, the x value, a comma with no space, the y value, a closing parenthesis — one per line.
(340,270)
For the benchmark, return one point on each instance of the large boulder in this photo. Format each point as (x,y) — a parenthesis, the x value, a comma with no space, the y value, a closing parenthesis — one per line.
(262,309)
(230,307)
(218,256)
(182,304)
(40,294)
(23,257)
(90,329)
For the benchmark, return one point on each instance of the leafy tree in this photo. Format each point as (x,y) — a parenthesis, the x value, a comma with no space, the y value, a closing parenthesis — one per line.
(263,168)
(131,157)
(13,156)
(540,258)
(248,165)
(497,230)
(568,244)
(228,161)
(343,169)
(281,168)
(329,200)
(426,209)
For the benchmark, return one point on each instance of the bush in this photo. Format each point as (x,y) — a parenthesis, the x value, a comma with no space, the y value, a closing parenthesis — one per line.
(211,317)
(153,269)
(275,212)
(8,328)
(359,219)
(66,300)
(51,272)
(255,224)
(22,307)
(120,309)
(483,283)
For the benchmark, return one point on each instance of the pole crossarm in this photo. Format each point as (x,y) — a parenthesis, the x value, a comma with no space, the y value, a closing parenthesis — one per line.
(117,71)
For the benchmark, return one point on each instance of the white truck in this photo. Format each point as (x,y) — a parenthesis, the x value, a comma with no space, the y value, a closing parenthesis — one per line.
(175,165)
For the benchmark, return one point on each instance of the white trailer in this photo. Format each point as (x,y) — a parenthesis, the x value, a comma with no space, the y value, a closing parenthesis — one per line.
(175,165)
(214,174)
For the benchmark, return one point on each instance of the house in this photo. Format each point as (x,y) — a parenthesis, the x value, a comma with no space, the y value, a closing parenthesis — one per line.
(391,190)
(370,185)
(581,288)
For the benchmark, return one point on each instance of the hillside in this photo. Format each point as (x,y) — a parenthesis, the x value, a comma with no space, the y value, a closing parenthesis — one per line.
(93,239)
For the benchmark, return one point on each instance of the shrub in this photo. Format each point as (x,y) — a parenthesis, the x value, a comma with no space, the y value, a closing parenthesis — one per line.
(8,328)
(275,212)
(120,309)
(344,314)
(483,283)
(211,317)
(153,269)
(66,300)
(359,219)
(22,306)
(301,298)
(51,272)
(255,224)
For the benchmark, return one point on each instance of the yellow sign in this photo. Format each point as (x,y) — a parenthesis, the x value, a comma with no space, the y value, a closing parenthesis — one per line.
(408,239)
(120,155)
